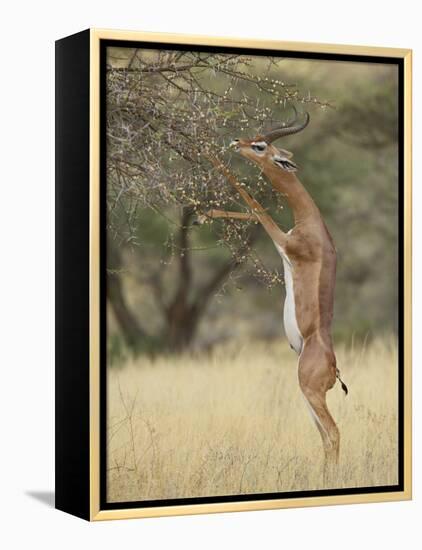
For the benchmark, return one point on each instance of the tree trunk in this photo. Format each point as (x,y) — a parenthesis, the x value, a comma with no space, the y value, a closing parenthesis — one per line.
(180,318)
(186,308)
(185,312)
(182,323)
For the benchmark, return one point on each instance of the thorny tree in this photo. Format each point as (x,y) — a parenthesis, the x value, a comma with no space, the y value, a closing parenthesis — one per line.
(165,111)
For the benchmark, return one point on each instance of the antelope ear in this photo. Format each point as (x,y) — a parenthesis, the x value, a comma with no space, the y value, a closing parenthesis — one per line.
(286,153)
(285,163)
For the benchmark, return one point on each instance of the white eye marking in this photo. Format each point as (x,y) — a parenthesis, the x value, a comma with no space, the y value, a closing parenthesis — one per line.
(258,146)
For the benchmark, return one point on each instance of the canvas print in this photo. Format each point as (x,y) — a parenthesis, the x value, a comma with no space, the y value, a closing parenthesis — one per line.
(251,274)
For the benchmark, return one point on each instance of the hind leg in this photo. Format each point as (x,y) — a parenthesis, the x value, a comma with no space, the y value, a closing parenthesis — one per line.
(325,423)
(316,377)
(328,430)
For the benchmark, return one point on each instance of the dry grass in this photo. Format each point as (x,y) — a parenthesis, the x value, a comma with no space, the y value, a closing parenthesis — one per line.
(235,422)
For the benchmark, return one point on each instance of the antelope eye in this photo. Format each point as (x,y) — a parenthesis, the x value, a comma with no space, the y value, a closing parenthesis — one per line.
(259,147)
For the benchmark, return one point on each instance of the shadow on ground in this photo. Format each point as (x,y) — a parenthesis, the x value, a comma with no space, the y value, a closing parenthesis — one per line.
(45,497)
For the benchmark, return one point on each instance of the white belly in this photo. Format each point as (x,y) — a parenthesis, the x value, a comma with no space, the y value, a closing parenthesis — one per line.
(290,323)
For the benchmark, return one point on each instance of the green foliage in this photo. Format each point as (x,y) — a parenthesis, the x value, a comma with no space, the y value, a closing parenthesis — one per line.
(165,109)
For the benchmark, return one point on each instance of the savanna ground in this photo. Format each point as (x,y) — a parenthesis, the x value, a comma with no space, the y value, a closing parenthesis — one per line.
(234,422)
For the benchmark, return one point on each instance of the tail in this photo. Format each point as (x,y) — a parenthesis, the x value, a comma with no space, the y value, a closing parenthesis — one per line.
(343,385)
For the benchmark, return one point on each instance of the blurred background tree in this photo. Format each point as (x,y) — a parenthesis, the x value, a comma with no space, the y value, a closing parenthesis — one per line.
(172,285)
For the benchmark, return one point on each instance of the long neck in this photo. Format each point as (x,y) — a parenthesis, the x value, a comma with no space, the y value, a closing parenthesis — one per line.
(298,198)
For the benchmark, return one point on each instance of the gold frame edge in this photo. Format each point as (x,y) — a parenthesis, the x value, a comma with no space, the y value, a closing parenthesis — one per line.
(407,281)
(94,277)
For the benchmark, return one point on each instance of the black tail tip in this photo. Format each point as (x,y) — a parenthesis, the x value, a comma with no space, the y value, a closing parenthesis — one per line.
(344,387)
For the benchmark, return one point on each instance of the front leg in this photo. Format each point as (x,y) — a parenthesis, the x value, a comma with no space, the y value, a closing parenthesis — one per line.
(274,232)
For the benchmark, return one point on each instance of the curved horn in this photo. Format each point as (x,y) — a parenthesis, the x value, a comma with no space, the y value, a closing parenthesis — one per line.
(286,130)
(290,123)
